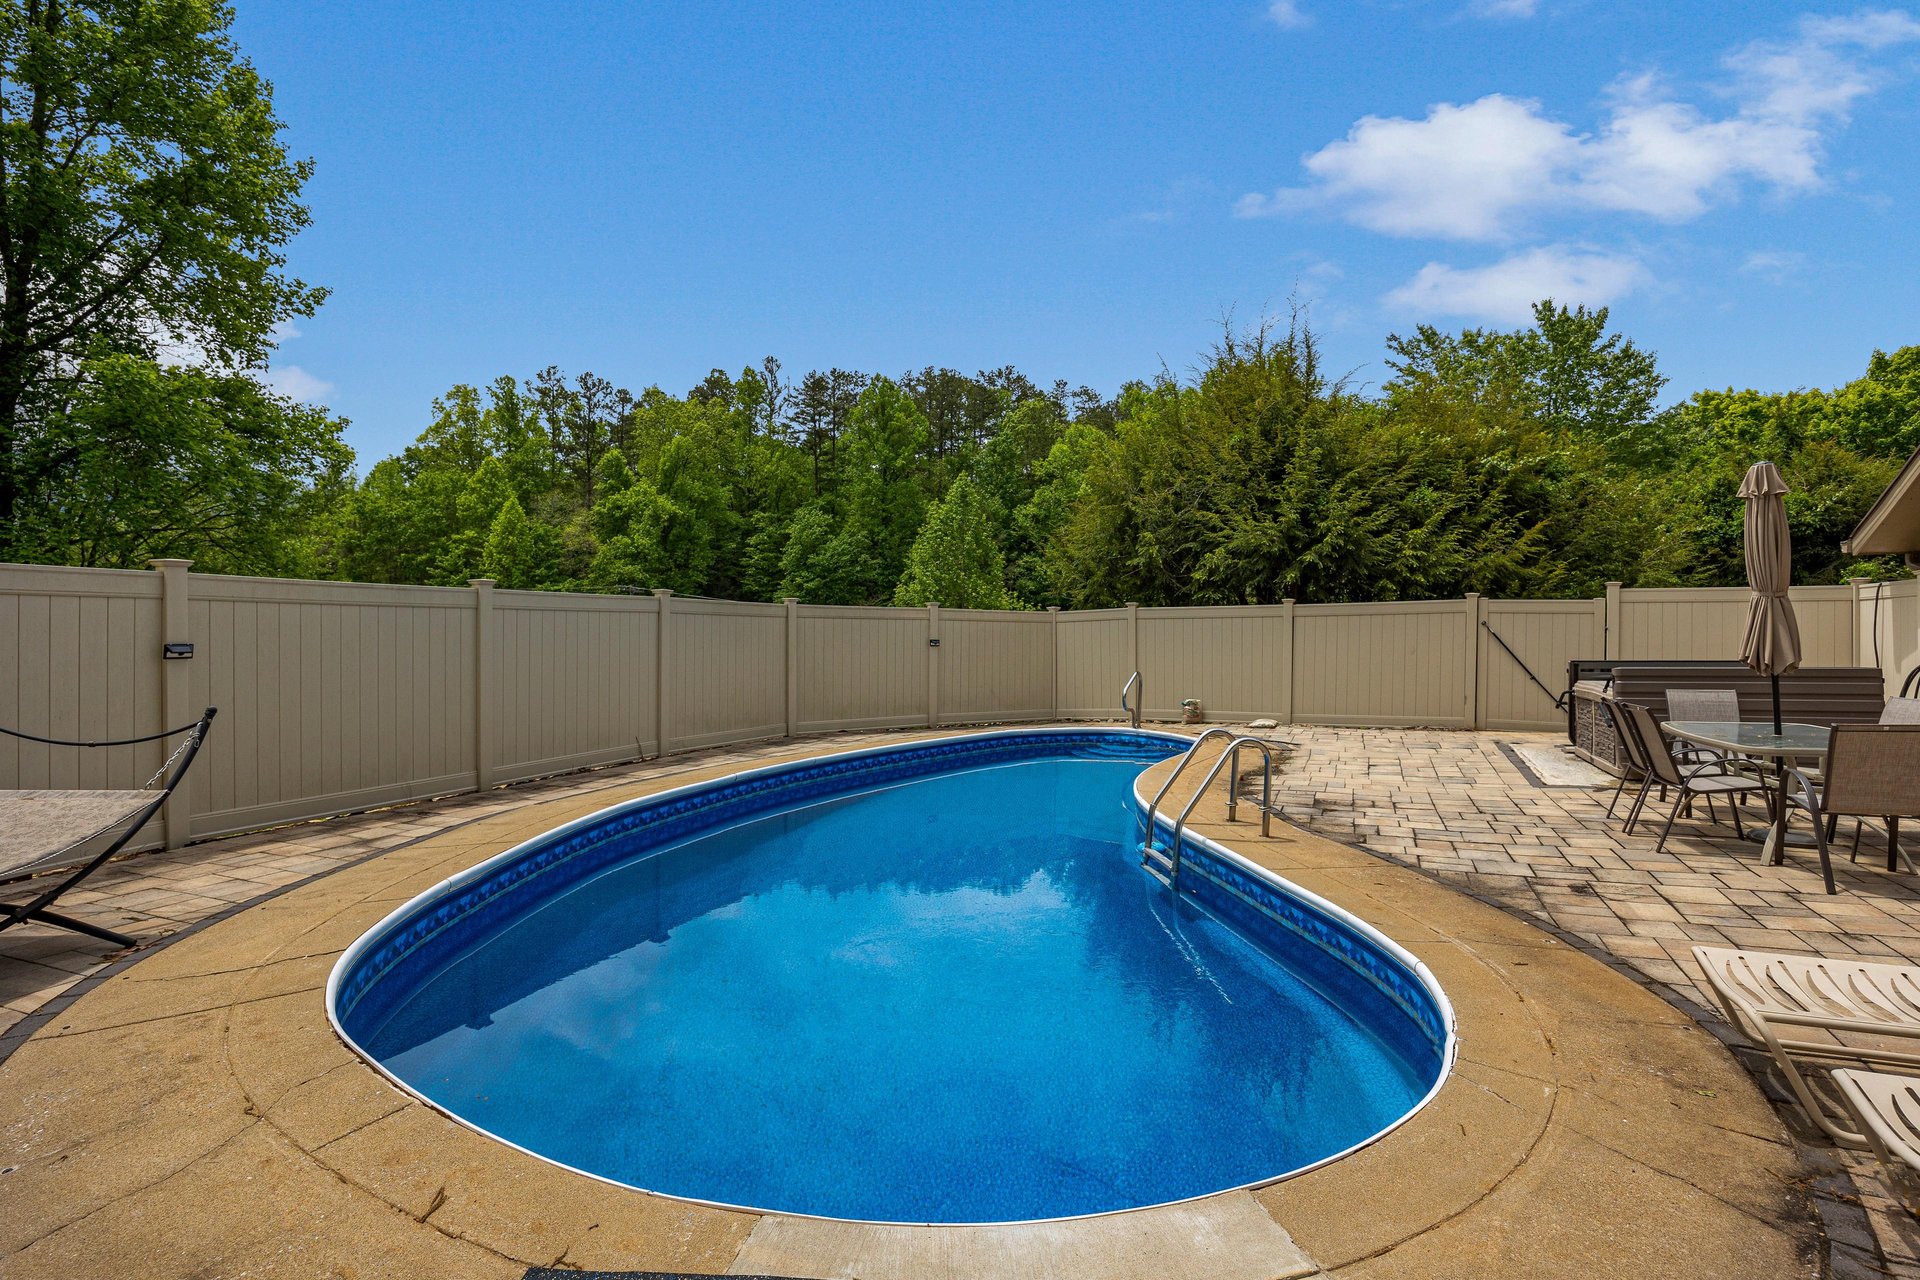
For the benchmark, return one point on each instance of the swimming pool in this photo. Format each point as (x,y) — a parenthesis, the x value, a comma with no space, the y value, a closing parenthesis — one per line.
(921,983)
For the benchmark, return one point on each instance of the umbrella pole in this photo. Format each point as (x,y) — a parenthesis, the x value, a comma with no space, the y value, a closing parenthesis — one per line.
(1776,704)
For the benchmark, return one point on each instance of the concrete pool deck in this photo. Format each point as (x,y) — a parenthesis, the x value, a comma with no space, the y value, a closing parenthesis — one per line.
(193,1113)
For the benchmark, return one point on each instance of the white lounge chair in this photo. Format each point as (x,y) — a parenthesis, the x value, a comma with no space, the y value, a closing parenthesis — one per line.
(1888,1109)
(1818,1009)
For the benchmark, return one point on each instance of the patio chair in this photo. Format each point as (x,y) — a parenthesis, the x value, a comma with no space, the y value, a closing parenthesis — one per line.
(1897,711)
(1887,1108)
(1691,776)
(1873,771)
(1901,711)
(1703,704)
(1721,705)
(1637,768)
(44,830)
(1775,1000)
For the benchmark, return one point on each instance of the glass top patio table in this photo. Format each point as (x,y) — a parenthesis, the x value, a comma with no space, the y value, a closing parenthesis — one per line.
(1754,737)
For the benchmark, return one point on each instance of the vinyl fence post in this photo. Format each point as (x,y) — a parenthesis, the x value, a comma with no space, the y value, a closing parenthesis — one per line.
(662,667)
(1472,709)
(793,666)
(933,665)
(1862,643)
(486,678)
(1053,625)
(1286,660)
(1610,647)
(176,689)
(1133,655)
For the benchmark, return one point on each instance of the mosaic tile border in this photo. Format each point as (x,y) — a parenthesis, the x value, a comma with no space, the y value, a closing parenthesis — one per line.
(1223,886)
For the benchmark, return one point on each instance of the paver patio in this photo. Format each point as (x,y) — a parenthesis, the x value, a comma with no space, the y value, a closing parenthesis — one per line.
(1460,807)
(1454,804)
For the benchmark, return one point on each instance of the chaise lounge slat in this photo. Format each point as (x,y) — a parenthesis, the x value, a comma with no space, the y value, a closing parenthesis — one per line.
(1888,1109)
(1773,999)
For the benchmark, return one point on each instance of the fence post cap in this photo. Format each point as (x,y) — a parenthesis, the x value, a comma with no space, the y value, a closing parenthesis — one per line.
(480,582)
(663,591)
(790,600)
(165,563)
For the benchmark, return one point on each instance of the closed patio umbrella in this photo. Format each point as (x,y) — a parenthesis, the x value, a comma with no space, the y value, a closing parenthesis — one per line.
(1772,644)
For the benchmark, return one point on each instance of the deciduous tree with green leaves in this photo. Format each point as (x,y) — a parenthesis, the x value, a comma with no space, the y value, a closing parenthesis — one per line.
(146,200)
(956,560)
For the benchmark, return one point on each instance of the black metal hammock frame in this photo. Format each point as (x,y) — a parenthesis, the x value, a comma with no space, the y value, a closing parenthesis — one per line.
(1559,699)
(171,771)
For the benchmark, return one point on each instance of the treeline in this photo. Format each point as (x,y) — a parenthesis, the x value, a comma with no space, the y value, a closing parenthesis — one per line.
(1530,463)
(147,200)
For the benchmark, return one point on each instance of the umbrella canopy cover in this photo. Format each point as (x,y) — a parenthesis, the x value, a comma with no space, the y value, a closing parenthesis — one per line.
(1772,644)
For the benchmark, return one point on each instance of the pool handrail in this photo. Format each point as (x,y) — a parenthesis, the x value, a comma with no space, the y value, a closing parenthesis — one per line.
(1186,758)
(1266,808)
(1134,682)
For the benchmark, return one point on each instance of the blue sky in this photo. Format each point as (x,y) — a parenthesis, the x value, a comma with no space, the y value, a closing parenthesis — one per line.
(651,190)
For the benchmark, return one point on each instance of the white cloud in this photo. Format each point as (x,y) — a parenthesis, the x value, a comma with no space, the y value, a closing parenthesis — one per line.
(1667,160)
(1869,28)
(1773,265)
(1288,15)
(1487,169)
(1458,174)
(1503,8)
(295,383)
(291,380)
(1505,291)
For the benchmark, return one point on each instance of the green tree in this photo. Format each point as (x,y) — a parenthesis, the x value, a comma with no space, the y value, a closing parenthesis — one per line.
(520,553)
(1878,415)
(1039,571)
(886,499)
(824,562)
(956,561)
(852,547)
(1722,433)
(179,462)
(660,531)
(145,202)
(1565,372)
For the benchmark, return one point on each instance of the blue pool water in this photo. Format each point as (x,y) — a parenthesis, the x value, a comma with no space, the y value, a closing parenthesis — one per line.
(955,998)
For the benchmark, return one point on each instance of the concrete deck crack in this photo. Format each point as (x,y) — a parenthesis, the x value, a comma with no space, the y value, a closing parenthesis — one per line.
(365,1124)
(144,1187)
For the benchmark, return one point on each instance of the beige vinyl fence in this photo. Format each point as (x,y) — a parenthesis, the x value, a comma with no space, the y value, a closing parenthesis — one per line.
(1887,628)
(336,696)
(1689,623)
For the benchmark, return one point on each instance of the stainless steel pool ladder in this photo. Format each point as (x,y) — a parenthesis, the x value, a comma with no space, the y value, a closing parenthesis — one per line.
(1133,685)
(1165,863)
